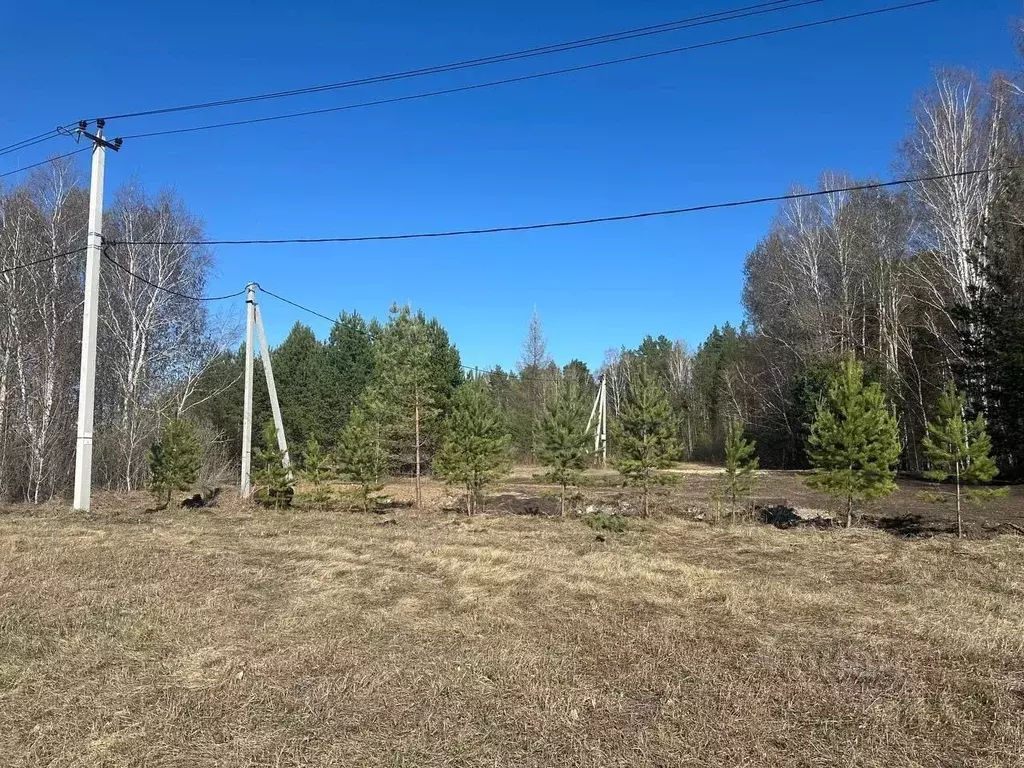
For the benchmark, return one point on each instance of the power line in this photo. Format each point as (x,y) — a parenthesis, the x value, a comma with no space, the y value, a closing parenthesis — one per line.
(44,162)
(165,289)
(44,260)
(29,142)
(629,34)
(348,328)
(581,222)
(527,78)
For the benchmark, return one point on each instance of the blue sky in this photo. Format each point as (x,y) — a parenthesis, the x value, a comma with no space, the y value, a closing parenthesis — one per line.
(737,121)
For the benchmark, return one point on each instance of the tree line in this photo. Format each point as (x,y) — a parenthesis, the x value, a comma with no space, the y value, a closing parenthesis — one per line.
(153,345)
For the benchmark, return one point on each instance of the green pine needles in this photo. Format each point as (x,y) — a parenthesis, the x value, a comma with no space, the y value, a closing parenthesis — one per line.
(175,461)
(854,442)
(275,486)
(740,466)
(959,450)
(475,450)
(362,454)
(316,470)
(563,440)
(645,435)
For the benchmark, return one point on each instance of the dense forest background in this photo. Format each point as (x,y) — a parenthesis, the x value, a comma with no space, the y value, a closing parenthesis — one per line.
(922,282)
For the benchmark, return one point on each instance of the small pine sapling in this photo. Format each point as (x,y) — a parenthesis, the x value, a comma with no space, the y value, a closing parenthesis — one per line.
(362,456)
(959,450)
(740,466)
(175,461)
(275,486)
(563,443)
(475,450)
(646,435)
(854,442)
(317,471)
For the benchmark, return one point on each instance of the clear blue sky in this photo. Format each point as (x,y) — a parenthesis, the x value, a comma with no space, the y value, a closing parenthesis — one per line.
(737,121)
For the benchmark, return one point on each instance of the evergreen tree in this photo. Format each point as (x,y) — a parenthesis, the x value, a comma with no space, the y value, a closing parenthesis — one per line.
(362,457)
(645,434)
(349,367)
(854,442)
(537,375)
(274,484)
(415,371)
(958,448)
(578,373)
(174,462)
(563,443)
(317,471)
(740,465)
(300,374)
(475,450)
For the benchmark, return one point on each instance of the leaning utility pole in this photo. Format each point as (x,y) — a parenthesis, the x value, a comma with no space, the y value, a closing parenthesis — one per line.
(600,409)
(254,323)
(250,322)
(87,380)
(275,405)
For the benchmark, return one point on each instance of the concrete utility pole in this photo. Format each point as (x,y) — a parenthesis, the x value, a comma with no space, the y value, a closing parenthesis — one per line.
(275,406)
(600,409)
(250,322)
(90,317)
(604,422)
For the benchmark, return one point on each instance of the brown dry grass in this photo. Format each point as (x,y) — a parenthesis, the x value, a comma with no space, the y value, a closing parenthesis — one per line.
(252,638)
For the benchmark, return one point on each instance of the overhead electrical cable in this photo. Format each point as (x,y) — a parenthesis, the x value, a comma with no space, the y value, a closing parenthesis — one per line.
(43,260)
(582,222)
(526,78)
(44,162)
(614,37)
(165,289)
(30,142)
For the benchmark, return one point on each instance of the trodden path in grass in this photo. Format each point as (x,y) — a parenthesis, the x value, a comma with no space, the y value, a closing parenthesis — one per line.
(251,638)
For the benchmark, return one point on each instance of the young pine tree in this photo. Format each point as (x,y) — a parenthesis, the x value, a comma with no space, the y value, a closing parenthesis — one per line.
(740,465)
(645,434)
(174,462)
(475,450)
(316,470)
(959,449)
(563,441)
(362,455)
(854,442)
(274,483)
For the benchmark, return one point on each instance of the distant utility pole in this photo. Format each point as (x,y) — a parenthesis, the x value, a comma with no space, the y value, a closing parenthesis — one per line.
(254,322)
(87,380)
(600,410)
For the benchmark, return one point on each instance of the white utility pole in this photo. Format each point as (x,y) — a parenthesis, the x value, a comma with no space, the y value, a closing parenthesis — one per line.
(275,406)
(604,423)
(90,317)
(250,322)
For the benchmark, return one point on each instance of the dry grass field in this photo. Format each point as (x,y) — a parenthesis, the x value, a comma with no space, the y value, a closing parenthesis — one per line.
(245,637)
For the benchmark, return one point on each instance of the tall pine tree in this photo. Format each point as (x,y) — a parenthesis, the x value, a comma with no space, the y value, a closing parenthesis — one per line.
(958,449)
(475,450)
(415,371)
(854,443)
(563,442)
(645,434)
